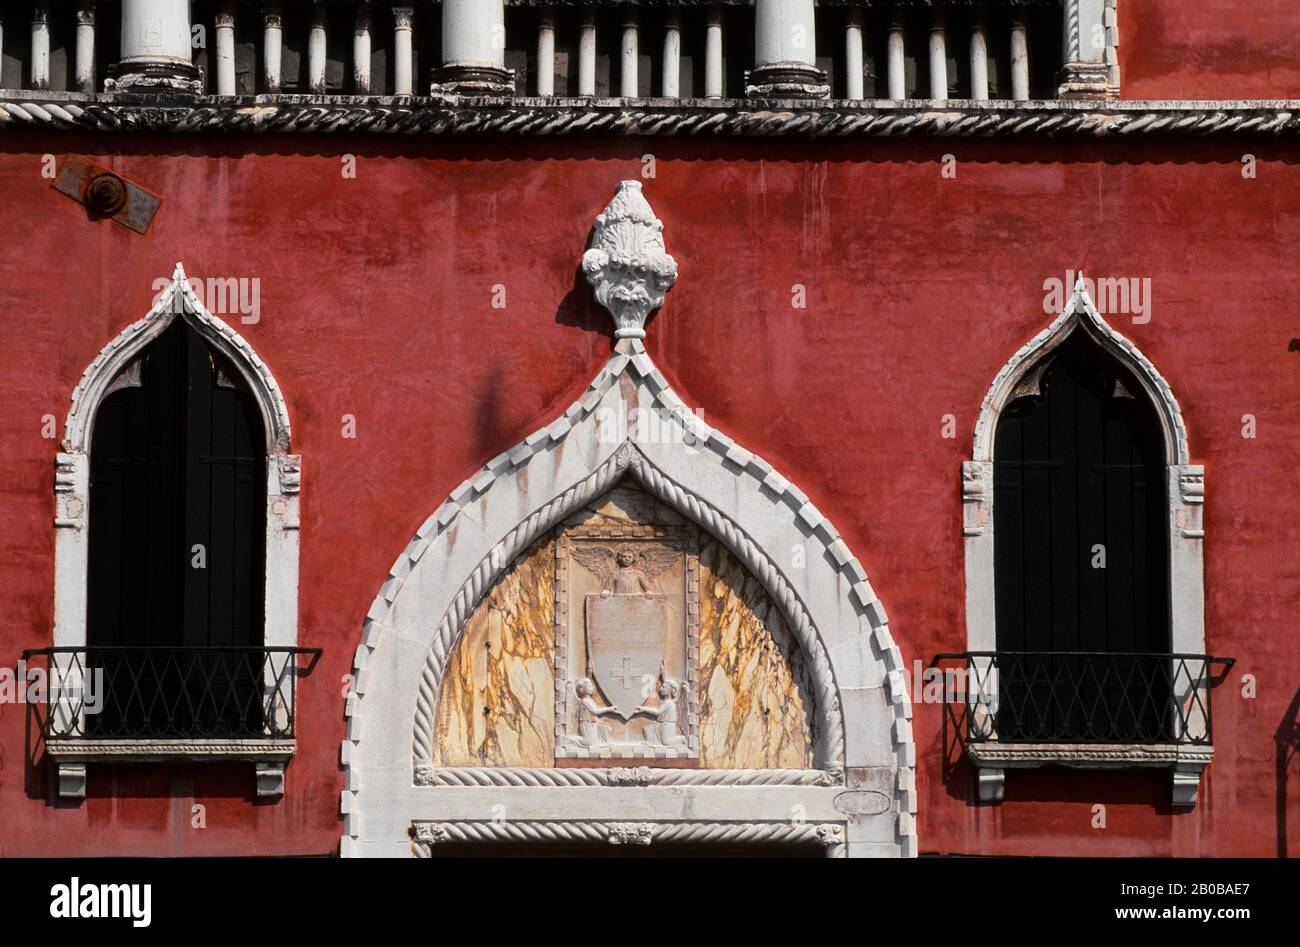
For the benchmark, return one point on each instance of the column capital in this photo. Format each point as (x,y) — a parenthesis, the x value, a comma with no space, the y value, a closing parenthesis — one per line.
(403,17)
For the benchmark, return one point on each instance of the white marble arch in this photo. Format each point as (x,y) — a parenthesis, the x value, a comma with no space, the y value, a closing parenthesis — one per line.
(111,368)
(628,423)
(1186,497)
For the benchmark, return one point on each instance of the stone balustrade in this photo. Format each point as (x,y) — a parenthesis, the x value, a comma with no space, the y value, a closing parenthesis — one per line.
(968,50)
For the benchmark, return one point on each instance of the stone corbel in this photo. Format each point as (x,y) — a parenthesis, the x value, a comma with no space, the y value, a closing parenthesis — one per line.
(270,779)
(71,780)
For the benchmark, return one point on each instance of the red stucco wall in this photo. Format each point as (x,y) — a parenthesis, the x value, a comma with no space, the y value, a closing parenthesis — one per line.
(376,302)
(1209,49)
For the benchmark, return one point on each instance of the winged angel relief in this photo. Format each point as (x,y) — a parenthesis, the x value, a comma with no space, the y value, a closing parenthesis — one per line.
(626,630)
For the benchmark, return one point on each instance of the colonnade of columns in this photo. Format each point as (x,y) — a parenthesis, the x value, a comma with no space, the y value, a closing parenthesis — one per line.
(157,50)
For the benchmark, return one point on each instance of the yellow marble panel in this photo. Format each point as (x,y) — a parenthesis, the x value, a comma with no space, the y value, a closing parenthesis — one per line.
(756,707)
(497,706)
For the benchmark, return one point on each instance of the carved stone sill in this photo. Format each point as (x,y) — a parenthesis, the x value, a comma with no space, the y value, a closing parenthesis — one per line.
(70,756)
(993,759)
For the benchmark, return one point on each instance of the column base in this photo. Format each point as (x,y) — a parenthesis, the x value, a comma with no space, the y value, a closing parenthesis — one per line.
(170,76)
(1084,82)
(472,79)
(787,80)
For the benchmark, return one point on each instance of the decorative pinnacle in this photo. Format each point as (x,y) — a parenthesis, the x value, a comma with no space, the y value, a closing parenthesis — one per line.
(628,265)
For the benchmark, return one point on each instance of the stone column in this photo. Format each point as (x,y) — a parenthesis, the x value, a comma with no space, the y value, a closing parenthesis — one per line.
(713,53)
(546,52)
(86,46)
(627,70)
(938,57)
(1084,75)
(897,64)
(272,37)
(361,50)
(156,52)
(587,53)
(403,74)
(40,46)
(474,49)
(854,84)
(316,49)
(225,48)
(979,58)
(1019,59)
(672,54)
(785,52)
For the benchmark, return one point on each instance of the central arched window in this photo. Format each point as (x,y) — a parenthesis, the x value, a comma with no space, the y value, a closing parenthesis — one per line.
(177,523)
(1081,557)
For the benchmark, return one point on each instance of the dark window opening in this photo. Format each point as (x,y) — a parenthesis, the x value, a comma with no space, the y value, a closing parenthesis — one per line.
(1081,554)
(176,561)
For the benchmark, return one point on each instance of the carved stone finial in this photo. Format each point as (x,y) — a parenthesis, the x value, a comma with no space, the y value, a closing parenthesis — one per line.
(628,265)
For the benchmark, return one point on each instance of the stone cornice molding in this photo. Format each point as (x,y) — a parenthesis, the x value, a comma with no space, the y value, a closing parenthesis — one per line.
(425,836)
(709,118)
(621,776)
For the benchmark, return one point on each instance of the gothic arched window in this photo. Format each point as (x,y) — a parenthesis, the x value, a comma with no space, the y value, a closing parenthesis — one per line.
(1085,625)
(176,554)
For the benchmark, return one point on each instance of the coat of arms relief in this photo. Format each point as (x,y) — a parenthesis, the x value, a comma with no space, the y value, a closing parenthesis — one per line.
(627,621)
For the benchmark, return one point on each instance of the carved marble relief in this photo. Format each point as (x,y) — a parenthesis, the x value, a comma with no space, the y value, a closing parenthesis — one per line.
(626,634)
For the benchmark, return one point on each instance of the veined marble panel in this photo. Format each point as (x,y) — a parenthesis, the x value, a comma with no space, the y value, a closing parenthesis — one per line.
(756,705)
(497,706)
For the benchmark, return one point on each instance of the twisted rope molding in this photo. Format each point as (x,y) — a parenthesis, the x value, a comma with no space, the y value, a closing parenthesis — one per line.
(622,776)
(442,115)
(628,459)
(426,835)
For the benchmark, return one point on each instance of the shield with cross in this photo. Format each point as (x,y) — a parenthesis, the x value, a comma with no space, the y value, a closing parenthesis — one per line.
(625,645)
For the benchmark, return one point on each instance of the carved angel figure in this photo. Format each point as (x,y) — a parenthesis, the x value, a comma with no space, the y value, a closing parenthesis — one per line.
(592,733)
(666,730)
(625,570)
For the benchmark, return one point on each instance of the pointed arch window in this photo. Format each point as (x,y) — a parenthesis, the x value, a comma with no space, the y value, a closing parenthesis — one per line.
(1083,534)
(176,555)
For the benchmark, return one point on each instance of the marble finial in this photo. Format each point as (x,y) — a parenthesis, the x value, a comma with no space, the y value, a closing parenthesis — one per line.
(628,265)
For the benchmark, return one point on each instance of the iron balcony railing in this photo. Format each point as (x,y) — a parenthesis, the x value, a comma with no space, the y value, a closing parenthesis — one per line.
(1086,696)
(144,692)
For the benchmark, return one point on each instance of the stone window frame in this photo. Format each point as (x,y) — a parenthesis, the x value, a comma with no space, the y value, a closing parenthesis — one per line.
(72,520)
(1185,483)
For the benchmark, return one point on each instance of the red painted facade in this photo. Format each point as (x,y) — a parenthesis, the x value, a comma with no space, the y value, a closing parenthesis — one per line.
(376,302)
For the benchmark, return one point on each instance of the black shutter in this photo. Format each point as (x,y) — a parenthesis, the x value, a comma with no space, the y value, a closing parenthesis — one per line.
(178,460)
(1080,464)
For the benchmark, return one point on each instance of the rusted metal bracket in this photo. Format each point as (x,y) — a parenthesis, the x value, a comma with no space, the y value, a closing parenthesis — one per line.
(106,194)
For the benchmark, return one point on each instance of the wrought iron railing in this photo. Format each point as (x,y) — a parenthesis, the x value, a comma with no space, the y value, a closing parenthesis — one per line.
(1087,696)
(143,692)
